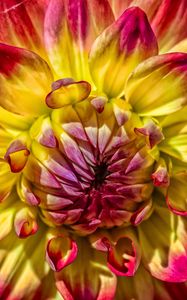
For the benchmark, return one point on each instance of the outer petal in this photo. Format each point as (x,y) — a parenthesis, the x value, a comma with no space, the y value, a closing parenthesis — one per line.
(176,196)
(24,81)
(22,265)
(21,23)
(7,180)
(175,132)
(169,291)
(70,27)
(163,243)
(135,287)
(87,278)
(119,49)
(158,86)
(167,18)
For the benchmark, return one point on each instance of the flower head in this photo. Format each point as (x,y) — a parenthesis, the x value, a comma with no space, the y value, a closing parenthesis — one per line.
(93,137)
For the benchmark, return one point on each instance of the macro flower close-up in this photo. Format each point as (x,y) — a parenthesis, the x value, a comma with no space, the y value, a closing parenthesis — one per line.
(93,150)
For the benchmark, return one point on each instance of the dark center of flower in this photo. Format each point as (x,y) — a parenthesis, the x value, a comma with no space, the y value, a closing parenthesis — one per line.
(100,174)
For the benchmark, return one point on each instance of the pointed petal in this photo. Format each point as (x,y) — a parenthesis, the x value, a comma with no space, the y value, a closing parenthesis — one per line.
(71,27)
(158,86)
(119,49)
(25,80)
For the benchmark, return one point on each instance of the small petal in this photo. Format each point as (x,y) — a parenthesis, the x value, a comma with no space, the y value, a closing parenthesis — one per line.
(17,155)
(60,252)
(25,222)
(119,49)
(152,133)
(68,94)
(157,86)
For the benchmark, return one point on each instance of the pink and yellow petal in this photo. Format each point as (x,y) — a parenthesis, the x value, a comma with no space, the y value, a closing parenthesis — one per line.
(121,246)
(22,24)
(165,255)
(71,27)
(167,18)
(157,86)
(25,81)
(75,285)
(120,47)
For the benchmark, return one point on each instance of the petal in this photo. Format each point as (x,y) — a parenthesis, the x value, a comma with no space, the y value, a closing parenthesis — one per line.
(175,132)
(119,49)
(25,223)
(22,265)
(68,94)
(167,18)
(158,86)
(123,254)
(24,80)
(170,291)
(17,155)
(7,180)
(60,252)
(92,265)
(176,196)
(152,132)
(163,244)
(71,27)
(21,23)
(135,287)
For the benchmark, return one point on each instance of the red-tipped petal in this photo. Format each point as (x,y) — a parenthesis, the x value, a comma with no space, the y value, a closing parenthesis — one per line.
(119,49)
(60,252)
(25,223)
(17,156)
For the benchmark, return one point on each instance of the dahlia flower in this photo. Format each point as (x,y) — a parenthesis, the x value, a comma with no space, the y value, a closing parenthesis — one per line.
(93,145)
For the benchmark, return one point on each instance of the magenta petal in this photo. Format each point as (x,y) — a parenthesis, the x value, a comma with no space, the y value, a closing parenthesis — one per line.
(60,252)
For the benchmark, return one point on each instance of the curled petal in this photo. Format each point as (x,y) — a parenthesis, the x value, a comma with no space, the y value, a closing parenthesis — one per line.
(152,133)
(60,252)
(123,255)
(25,222)
(142,213)
(17,155)
(163,85)
(160,177)
(68,93)
(99,103)
(164,245)
(119,49)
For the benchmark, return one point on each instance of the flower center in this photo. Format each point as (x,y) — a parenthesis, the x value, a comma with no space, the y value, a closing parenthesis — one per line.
(89,164)
(100,174)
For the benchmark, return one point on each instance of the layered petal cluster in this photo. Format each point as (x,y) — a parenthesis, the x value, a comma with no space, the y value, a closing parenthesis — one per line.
(93,150)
